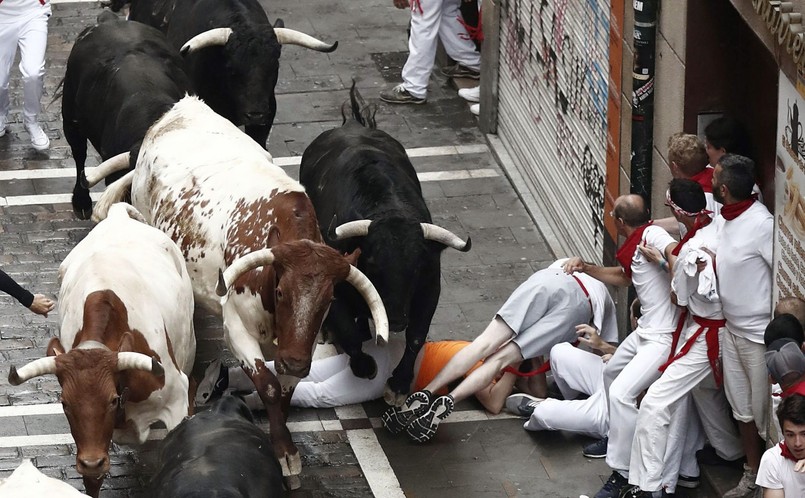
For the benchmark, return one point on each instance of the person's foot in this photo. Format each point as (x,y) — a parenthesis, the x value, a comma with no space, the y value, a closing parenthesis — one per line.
(689,482)
(39,139)
(636,492)
(399,95)
(214,383)
(746,487)
(522,404)
(397,418)
(614,486)
(470,94)
(597,449)
(475,109)
(709,456)
(461,71)
(423,428)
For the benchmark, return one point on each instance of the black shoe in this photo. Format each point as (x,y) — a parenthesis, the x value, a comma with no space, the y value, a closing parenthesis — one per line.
(708,456)
(688,482)
(615,485)
(635,492)
(422,429)
(397,418)
(399,95)
(597,449)
(459,71)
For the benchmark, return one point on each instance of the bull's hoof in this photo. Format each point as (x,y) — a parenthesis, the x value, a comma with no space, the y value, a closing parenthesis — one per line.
(291,464)
(82,204)
(292,482)
(393,398)
(363,366)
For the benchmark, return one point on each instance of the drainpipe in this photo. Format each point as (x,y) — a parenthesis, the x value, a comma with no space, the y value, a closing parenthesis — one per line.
(645,33)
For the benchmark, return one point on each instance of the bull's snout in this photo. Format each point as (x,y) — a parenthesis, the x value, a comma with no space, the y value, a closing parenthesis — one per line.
(93,466)
(295,367)
(255,117)
(398,325)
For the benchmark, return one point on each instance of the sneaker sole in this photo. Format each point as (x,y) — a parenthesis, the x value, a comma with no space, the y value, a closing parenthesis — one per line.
(423,428)
(604,456)
(396,418)
(687,484)
(417,102)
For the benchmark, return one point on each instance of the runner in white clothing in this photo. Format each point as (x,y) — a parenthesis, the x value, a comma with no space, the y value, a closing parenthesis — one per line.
(635,364)
(24,23)
(744,269)
(782,469)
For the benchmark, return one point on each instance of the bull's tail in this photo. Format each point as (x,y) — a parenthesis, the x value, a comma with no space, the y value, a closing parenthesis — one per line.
(362,112)
(57,94)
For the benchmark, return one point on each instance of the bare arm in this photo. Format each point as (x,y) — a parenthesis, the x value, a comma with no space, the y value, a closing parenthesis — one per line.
(493,396)
(588,336)
(773,493)
(612,275)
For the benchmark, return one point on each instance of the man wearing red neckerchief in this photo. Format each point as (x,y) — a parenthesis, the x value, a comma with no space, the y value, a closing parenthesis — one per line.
(696,359)
(635,364)
(781,473)
(743,266)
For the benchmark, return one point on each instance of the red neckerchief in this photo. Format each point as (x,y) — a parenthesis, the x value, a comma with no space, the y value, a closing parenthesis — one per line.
(786,452)
(473,32)
(698,223)
(798,388)
(705,179)
(627,250)
(732,211)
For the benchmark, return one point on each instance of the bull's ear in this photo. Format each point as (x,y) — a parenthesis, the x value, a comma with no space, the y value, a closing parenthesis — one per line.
(273,236)
(126,343)
(54,347)
(352,258)
(279,23)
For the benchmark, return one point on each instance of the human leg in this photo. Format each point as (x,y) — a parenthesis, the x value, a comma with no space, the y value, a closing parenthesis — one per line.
(453,36)
(584,416)
(576,371)
(422,47)
(9,37)
(714,412)
(33,42)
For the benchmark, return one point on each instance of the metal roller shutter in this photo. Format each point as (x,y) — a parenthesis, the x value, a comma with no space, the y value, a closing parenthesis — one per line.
(552,111)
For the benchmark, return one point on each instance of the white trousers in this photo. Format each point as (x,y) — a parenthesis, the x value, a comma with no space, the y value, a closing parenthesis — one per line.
(576,371)
(668,399)
(31,35)
(632,369)
(714,413)
(438,18)
(746,379)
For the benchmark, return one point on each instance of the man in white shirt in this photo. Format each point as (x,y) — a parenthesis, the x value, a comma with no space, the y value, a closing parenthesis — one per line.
(782,466)
(744,268)
(635,364)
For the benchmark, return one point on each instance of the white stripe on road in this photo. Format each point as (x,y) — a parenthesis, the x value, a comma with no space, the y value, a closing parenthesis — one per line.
(374,464)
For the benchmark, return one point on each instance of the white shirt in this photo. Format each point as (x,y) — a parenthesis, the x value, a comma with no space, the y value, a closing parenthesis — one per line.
(744,269)
(653,286)
(15,10)
(777,472)
(604,318)
(686,286)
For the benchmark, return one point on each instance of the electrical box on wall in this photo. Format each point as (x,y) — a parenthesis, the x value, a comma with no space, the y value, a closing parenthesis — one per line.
(703,119)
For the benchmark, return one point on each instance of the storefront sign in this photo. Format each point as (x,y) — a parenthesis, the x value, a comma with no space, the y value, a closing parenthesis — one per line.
(789,246)
(785,25)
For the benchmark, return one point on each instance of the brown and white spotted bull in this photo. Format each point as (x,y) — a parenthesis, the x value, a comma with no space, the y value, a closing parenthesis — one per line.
(216,193)
(126,339)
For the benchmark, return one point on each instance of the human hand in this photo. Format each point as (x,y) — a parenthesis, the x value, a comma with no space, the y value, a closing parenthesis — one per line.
(651,253)
(588,335)
(402,4)
(42,305)
(573,265)
(799,466)
(605,358)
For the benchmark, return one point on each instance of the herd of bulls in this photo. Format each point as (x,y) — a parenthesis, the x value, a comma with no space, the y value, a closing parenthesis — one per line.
(212,221)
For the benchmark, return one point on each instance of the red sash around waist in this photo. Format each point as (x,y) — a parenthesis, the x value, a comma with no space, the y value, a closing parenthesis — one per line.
(710,329)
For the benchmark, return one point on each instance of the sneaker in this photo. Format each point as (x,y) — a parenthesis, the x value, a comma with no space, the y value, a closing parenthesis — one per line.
(522,404)
(614,486)
(636,492)
(459,71)
(423,428)
(746,486)
(399,95)
(688,482)
(470,94)
(214,383)
(39,139)
(597,449)
(397,418)
(708,456)
(475,109)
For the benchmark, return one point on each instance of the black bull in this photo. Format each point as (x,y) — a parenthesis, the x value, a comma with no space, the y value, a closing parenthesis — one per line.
(120,78)
(362,178)
(232,53)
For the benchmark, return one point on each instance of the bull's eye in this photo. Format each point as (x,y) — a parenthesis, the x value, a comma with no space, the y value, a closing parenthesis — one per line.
(114,402)
(279,294)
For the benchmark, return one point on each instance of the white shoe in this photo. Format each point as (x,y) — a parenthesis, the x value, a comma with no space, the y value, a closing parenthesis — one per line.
(470,94)
(475,109)
(39,139)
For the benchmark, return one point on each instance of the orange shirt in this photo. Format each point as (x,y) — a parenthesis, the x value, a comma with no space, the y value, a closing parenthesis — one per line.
(434,358)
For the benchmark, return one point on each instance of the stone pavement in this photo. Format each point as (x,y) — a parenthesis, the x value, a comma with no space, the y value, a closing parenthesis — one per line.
(344,452)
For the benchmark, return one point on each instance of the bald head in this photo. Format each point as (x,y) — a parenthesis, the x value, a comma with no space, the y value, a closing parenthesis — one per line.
(793,306)
(631,208)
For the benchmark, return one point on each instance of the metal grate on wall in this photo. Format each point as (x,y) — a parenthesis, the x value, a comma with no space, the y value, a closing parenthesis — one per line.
(552,111)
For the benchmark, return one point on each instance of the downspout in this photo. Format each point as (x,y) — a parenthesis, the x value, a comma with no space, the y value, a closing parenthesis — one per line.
(645,34)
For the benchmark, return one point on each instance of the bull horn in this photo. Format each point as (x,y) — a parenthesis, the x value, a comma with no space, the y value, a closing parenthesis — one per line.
(358,228)
(292,37)
(42,366)
(249,262)
(369,293)
(210,38)
(445,236)
(139,361)
(106,168)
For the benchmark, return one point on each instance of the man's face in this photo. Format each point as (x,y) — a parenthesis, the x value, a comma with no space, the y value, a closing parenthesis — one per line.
(794,436)
(713,154)
(716,183)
